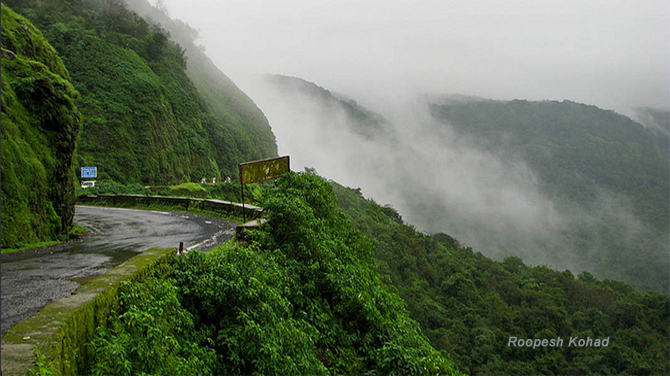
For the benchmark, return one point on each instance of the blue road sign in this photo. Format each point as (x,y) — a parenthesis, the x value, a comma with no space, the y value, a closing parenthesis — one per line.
(89,172)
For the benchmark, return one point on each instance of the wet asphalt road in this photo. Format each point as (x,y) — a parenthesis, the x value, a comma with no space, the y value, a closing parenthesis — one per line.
(32,279)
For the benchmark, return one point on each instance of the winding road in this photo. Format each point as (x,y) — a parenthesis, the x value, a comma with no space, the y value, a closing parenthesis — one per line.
(32,279)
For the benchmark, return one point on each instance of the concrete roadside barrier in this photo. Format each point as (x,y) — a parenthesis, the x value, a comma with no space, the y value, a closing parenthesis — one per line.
(60,329)
(185,203)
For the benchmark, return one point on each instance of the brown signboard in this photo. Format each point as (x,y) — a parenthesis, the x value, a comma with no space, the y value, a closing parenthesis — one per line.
(266,169)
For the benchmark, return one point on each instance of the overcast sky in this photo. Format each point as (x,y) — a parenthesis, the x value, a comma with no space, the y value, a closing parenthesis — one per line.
(614,54)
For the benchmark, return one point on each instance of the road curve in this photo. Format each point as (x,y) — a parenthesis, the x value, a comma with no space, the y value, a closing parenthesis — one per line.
(32,279)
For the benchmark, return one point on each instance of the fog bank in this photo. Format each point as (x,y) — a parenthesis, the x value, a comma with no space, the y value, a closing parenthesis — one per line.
(613,54)
(442,181)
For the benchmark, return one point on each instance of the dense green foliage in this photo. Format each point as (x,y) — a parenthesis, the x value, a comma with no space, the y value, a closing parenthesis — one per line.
(155,330)
(40,124)
(248,133)
(590,162)
(143,118)
(309,293)
(469,306)
(302,297)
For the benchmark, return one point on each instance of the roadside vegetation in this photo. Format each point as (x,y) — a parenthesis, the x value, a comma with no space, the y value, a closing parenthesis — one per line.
(320,291)
(31,246)
(301,297)
(221,191)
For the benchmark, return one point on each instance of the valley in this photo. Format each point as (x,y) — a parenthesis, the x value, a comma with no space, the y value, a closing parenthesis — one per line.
(416,235)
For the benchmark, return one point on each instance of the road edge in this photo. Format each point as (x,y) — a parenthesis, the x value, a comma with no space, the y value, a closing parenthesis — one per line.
(61,328)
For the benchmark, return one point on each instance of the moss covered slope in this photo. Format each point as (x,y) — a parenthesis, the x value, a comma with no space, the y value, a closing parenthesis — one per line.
(143,118)
(40,124)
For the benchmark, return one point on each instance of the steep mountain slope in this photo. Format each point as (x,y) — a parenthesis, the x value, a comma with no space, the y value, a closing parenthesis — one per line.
(593,163)
(321,128)
(470,306)
(143,118)
(559,184)
(252,135)
(40,124)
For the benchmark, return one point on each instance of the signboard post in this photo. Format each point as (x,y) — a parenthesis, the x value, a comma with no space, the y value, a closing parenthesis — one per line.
(89,172)
(262,170)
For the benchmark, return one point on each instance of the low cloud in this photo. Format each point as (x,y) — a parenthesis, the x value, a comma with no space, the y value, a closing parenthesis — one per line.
(441,181)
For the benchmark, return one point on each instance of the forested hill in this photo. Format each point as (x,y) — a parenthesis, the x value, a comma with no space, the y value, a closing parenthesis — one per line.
(577,149)
(40,123)
(145,118)
(251,129)
(561,184)
(470,306)
(593,164)
(91,83)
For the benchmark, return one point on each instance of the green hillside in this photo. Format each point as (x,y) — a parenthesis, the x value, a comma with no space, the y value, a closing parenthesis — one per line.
(144,118)
(40,124)
(247,135)
(315,292)
(601,178)
(592,163)
(469,305)
(576,149)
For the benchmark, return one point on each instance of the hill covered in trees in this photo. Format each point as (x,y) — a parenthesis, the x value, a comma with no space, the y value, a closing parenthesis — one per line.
(606,172)
(301,297)
(317,290)
(561,184)
(40,124)
(470,306)
(96,77)
(144,118)
(357,119)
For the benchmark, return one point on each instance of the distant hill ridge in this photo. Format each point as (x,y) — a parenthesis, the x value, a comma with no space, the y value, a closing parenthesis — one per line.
(360,120)
(603,177)
(590,161)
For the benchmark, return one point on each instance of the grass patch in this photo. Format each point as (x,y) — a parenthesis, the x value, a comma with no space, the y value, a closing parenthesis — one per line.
(191,187)
(77,231)
(30,246)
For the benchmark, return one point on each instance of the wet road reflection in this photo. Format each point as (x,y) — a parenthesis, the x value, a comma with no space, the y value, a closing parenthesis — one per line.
(32,279)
